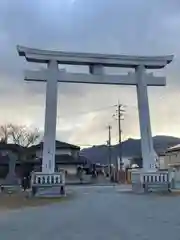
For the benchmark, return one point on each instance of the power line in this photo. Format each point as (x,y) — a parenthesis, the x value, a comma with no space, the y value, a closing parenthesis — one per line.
(93,110)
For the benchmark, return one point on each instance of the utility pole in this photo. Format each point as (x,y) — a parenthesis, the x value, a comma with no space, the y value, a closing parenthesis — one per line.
(109,147)
(119,113)
(120,110)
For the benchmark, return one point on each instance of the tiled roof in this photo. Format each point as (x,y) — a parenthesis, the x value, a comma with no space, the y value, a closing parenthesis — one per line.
(59,145)
(13,147)
(174,148)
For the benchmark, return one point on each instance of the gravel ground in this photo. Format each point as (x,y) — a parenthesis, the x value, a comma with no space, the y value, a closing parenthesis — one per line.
(97,212)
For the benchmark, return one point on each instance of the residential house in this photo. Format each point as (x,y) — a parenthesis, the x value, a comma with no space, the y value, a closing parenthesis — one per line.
(67,156)
(28,159)
(172,157)
(172,160)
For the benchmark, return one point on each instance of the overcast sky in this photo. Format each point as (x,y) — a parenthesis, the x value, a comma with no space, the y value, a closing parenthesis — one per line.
(105,26)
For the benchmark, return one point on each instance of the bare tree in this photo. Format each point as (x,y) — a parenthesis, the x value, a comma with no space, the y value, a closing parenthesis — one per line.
(22,135)
(4,133)
(19,134)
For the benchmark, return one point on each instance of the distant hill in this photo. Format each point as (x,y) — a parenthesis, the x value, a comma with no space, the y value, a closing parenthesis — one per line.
(130,148)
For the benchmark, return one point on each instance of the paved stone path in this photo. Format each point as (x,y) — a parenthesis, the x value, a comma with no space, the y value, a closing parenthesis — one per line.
(97,213)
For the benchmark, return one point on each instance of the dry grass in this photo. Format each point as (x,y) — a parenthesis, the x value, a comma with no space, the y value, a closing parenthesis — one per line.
(20,200)
(174,193)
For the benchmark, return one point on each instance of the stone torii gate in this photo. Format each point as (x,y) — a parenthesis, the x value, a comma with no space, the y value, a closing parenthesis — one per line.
(96,62)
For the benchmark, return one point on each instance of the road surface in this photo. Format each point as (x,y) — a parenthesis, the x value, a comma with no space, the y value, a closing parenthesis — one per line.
(96,213)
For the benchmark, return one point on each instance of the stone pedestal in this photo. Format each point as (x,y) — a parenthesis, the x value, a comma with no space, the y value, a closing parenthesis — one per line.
(11,178)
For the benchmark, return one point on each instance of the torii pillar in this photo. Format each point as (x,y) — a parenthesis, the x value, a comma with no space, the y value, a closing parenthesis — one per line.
(144,120)
(96,75)
(49,145)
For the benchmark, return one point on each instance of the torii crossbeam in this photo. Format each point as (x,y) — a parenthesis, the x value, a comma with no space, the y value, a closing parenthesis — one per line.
(96,62)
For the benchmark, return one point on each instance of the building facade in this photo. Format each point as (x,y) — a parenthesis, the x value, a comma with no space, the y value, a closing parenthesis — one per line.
(67,156)
(172,157)
(27,159)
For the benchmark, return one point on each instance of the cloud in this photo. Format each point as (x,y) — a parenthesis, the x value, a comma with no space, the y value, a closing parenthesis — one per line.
(119,27)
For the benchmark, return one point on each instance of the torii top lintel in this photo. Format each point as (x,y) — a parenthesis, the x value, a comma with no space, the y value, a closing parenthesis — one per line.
(107,60)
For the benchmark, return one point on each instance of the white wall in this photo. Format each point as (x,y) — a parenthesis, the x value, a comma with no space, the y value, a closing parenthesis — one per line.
(161,162)
(58,152)
(172,158)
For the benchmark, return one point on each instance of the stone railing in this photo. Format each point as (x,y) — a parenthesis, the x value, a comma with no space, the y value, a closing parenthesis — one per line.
(45,180)
(157,177)
(156,180)
(42,179)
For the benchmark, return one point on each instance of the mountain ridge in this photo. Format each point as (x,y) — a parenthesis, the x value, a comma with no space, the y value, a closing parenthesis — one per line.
(130,148)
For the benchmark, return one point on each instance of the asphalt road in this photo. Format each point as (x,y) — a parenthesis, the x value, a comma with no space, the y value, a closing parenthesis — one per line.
(96,213)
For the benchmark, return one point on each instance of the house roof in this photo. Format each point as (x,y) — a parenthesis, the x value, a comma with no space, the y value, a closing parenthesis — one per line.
(175,148)
(18,148)
(59,145)
(10,146)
